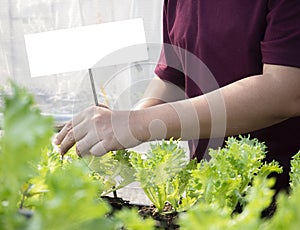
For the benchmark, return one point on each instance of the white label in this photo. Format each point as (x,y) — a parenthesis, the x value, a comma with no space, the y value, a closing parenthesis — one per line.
(86,47)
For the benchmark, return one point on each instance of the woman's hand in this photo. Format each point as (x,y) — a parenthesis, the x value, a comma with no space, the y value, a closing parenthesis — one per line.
(97,130)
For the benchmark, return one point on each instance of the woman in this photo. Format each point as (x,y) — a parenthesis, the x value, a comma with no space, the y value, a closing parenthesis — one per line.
(239,64)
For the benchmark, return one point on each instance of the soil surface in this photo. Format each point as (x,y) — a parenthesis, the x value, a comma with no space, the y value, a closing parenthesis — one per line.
(165,220)
(168,219)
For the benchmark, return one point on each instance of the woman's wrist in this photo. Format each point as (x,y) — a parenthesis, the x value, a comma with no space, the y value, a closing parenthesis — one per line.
(138,125)
(155,123)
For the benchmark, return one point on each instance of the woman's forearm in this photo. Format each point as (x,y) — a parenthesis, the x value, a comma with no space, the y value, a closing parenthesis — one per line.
(244,106)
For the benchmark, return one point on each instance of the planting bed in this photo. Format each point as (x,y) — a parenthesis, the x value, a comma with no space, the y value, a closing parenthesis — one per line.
(166,220)
(42,191)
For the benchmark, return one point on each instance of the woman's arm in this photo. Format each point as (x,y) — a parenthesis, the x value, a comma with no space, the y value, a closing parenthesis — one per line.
(247,105)
(250,104)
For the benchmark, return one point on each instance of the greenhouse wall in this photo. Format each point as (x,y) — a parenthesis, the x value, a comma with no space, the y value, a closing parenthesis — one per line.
(62,95)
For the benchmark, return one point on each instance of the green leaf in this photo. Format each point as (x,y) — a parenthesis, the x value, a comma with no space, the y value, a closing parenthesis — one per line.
(130,220)
(26,132)
(156,172)
(295,171)
(287,215)
(114,169)
(206,215)
(227,176)
(71,201)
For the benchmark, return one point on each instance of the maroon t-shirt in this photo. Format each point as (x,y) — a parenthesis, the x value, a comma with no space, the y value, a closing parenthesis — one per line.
(233,38)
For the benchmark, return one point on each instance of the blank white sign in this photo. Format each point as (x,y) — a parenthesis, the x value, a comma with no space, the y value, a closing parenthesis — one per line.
(86,47)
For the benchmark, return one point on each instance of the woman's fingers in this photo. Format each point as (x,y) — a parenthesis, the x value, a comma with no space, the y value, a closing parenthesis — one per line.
(67,128)
(99,149)
(69,135)
(67,142)
(84,145)
(97,130)
(77,119)
(62,134)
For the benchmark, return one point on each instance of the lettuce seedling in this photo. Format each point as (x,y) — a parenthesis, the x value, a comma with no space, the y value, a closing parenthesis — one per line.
(114,169)
(161,172)
(207,215)
(228,175)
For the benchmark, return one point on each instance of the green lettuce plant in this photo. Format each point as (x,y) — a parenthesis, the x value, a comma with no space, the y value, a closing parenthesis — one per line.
(227,177)
(214,213)
(287,215)
(166,175)
(25,134)
(40,190)
(114,169)
(216,216)
(162,172)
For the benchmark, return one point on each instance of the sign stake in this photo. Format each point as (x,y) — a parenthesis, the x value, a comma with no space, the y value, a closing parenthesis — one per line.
(93,87)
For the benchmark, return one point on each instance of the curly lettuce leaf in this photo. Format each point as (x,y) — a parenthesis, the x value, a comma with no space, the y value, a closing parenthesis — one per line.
(228,175)
(157,172)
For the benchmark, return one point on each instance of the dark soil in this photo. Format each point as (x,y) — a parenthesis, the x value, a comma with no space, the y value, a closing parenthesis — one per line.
(165,220)
(168,218)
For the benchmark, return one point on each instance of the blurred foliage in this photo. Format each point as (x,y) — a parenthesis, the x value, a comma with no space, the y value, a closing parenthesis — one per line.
(26,133)
(216,216)
(39,189)
(113,168)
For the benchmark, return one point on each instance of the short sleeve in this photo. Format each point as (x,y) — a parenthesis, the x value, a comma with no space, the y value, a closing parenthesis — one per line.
(281,43)
(169,66)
